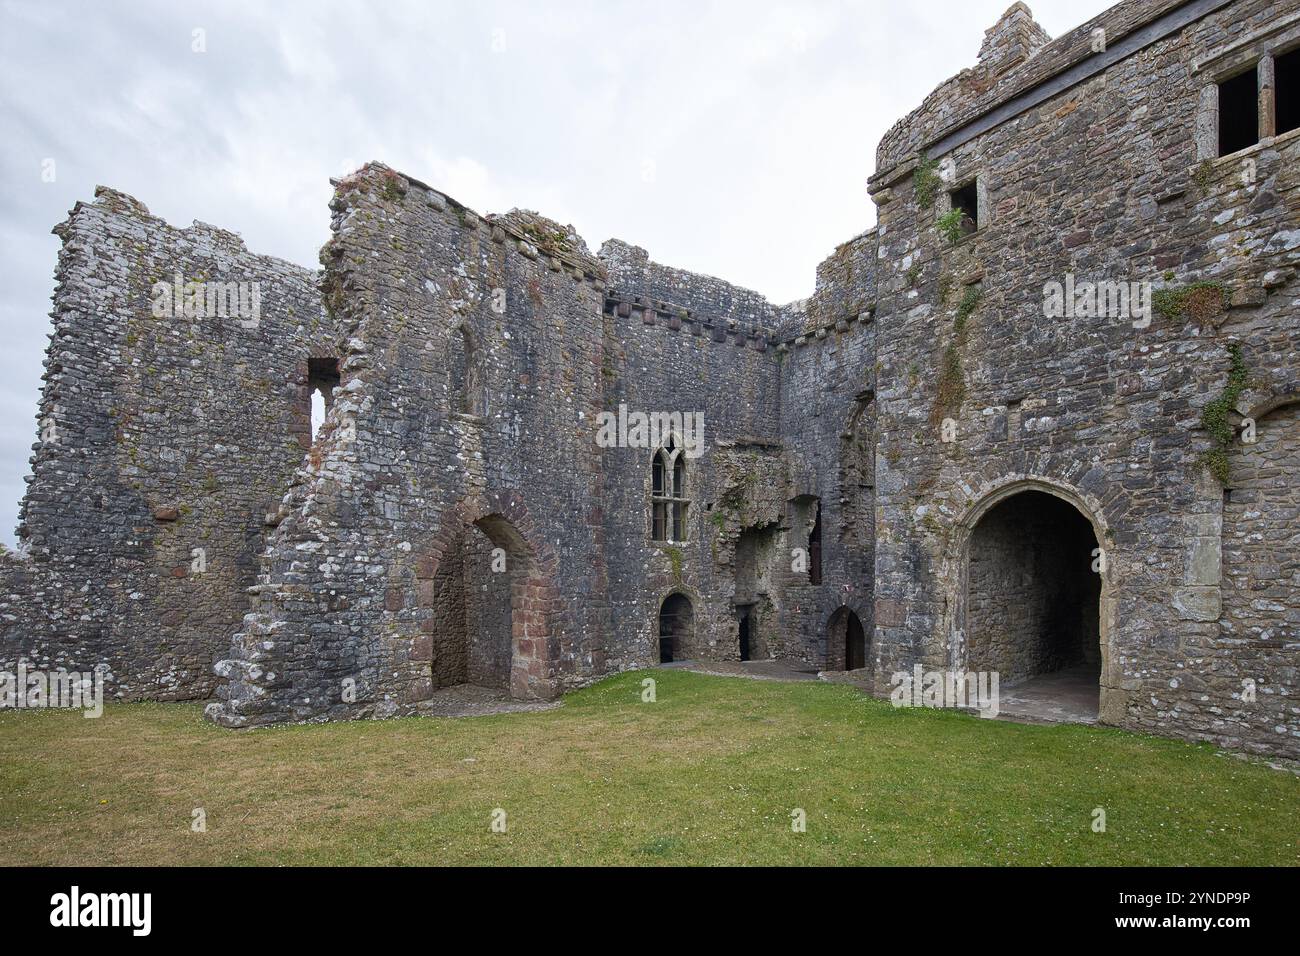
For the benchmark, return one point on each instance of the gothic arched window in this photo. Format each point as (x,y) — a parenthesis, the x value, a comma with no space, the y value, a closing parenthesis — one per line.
(668,501)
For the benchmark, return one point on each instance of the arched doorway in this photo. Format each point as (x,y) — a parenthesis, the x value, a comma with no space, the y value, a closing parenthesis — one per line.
(676,622)
(470,606)
(484,603)
(1033,604)
(846,641)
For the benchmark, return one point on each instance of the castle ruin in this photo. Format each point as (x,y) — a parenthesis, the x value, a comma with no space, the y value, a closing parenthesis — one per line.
(1043,417)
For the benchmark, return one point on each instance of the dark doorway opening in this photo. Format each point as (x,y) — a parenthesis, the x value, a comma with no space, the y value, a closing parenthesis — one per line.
(846,641)
(745,653)
(1239,112)
(855,645)
(1033,599)
(467,619)
(676,617)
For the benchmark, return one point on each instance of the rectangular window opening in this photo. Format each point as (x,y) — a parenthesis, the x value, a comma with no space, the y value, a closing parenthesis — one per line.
(967,200)
(323,375)
(1286,89)
(1239,112)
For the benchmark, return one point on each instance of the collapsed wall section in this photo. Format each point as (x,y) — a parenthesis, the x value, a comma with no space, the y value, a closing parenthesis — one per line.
(174,411)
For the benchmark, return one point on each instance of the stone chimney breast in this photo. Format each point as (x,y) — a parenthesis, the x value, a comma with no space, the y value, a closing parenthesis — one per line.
(1013,39)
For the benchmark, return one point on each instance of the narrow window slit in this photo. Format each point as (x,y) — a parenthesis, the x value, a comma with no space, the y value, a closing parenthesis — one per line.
(322,378)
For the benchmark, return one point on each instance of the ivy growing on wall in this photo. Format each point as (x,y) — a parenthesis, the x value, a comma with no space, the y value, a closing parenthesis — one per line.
(969,301)
(1214,417)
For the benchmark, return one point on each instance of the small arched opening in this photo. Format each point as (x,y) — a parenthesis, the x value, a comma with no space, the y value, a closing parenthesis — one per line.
(846,641)
(676,624)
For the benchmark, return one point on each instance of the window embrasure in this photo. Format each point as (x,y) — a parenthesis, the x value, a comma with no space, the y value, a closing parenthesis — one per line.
(669,503)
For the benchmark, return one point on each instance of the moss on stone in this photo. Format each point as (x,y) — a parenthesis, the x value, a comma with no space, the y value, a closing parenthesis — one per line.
(1203,176)
(952,385)
(675,559)
(1199,301)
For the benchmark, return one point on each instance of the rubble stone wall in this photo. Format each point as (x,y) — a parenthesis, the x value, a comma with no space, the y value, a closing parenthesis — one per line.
(164,439)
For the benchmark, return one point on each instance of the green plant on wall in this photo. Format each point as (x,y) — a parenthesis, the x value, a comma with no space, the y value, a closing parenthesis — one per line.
(945,287)
(675,559)
(926,182)
(1200,301)
(969,301)
(951,391)
(1215,416)
(950,226)
(392,189)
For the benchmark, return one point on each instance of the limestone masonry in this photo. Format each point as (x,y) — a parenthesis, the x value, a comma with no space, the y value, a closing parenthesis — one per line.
(1043,419)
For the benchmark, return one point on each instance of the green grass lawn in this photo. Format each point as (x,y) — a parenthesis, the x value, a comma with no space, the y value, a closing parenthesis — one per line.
(709,773)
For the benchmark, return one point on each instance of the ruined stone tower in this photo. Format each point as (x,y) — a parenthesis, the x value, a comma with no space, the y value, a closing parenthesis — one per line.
(1041,418)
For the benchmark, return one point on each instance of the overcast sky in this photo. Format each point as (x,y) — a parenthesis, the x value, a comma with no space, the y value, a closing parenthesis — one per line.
(728,138)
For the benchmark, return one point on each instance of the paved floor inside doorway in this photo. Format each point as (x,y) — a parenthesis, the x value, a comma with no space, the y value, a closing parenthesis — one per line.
(1069,696)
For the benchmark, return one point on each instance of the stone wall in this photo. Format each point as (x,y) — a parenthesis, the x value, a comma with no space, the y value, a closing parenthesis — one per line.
(400,472)
(163,441)
(1104,180)
(456,517)
(680,342)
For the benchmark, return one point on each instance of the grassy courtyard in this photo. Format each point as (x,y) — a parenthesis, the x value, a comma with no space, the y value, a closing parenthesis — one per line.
(709,773)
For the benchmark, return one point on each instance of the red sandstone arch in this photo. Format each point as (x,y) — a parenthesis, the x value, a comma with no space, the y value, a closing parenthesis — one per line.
(504,518)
